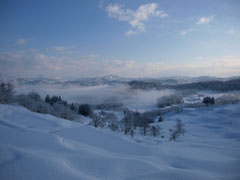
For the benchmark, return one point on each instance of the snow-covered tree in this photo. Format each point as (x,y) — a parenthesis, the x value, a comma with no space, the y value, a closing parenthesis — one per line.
(180,127)
(72,107)
(85,109)
(169,100)
(144,129)
(6,93)
(177,131)
(113,126)
(155,130)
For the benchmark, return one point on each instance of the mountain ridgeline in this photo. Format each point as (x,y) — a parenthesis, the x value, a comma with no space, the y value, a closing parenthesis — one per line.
(222,86)
(179,83)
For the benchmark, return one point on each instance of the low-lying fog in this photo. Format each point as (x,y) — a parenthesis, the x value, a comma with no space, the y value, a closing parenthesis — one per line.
(134,99)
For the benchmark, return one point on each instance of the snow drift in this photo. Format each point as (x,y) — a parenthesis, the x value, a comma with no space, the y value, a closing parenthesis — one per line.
(37,146)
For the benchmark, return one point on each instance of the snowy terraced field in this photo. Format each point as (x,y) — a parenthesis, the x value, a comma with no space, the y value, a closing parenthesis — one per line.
(37,146)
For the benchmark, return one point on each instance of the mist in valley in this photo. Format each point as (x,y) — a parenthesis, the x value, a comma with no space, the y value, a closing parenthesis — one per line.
(114,90)
(135,99)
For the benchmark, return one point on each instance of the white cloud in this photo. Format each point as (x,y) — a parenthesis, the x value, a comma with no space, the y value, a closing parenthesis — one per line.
(34,63)
(131,32)
(59,48)
(135,18)
(161,14)
(222,67)
(205,20)
(184,32)
(21,41)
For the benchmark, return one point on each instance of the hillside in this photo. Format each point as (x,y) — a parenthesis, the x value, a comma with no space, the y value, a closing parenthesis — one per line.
(37,146)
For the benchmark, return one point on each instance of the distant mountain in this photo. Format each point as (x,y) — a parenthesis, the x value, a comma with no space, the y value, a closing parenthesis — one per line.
(113,79)
(35,81)
(109,80)
(206,79)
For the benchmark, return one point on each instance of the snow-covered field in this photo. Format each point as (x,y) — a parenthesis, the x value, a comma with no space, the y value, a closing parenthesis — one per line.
(37,146)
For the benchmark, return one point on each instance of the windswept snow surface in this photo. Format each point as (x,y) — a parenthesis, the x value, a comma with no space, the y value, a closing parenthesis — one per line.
(37,146)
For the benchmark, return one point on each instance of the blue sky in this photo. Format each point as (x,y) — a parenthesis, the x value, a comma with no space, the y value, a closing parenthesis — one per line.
(137,38)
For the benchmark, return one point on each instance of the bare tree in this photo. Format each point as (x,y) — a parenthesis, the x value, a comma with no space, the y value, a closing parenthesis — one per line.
(180,127)
(145,128)
(173,135)
(155,130)
(132,132)
(179,130)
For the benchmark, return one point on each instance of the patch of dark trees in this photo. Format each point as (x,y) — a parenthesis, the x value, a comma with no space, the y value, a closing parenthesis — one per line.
(145,85)
(222,86)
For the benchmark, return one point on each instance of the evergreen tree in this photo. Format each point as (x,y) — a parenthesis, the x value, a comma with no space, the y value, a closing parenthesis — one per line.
(85,109)
(160,119)
(72,107)
(208,100)
(47,99)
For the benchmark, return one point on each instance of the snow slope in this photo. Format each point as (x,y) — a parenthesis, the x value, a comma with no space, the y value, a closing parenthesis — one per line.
(37,146)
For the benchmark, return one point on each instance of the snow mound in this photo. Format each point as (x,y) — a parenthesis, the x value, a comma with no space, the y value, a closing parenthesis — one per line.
(37,146)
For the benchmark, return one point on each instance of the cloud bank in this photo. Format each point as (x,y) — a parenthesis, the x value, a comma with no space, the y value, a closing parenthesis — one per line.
(32,63)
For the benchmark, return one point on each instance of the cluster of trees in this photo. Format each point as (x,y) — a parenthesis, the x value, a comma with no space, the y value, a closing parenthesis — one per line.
(169,100)
(228,99)
(133,119)
(221,100)
(6,93)
(85,109)
(55,99)
(109,105)
(105,119)
(208,100)
(145,85)
(51,105)
(55,106)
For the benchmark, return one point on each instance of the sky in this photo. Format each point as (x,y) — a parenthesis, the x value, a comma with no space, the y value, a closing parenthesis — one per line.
(129,38)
